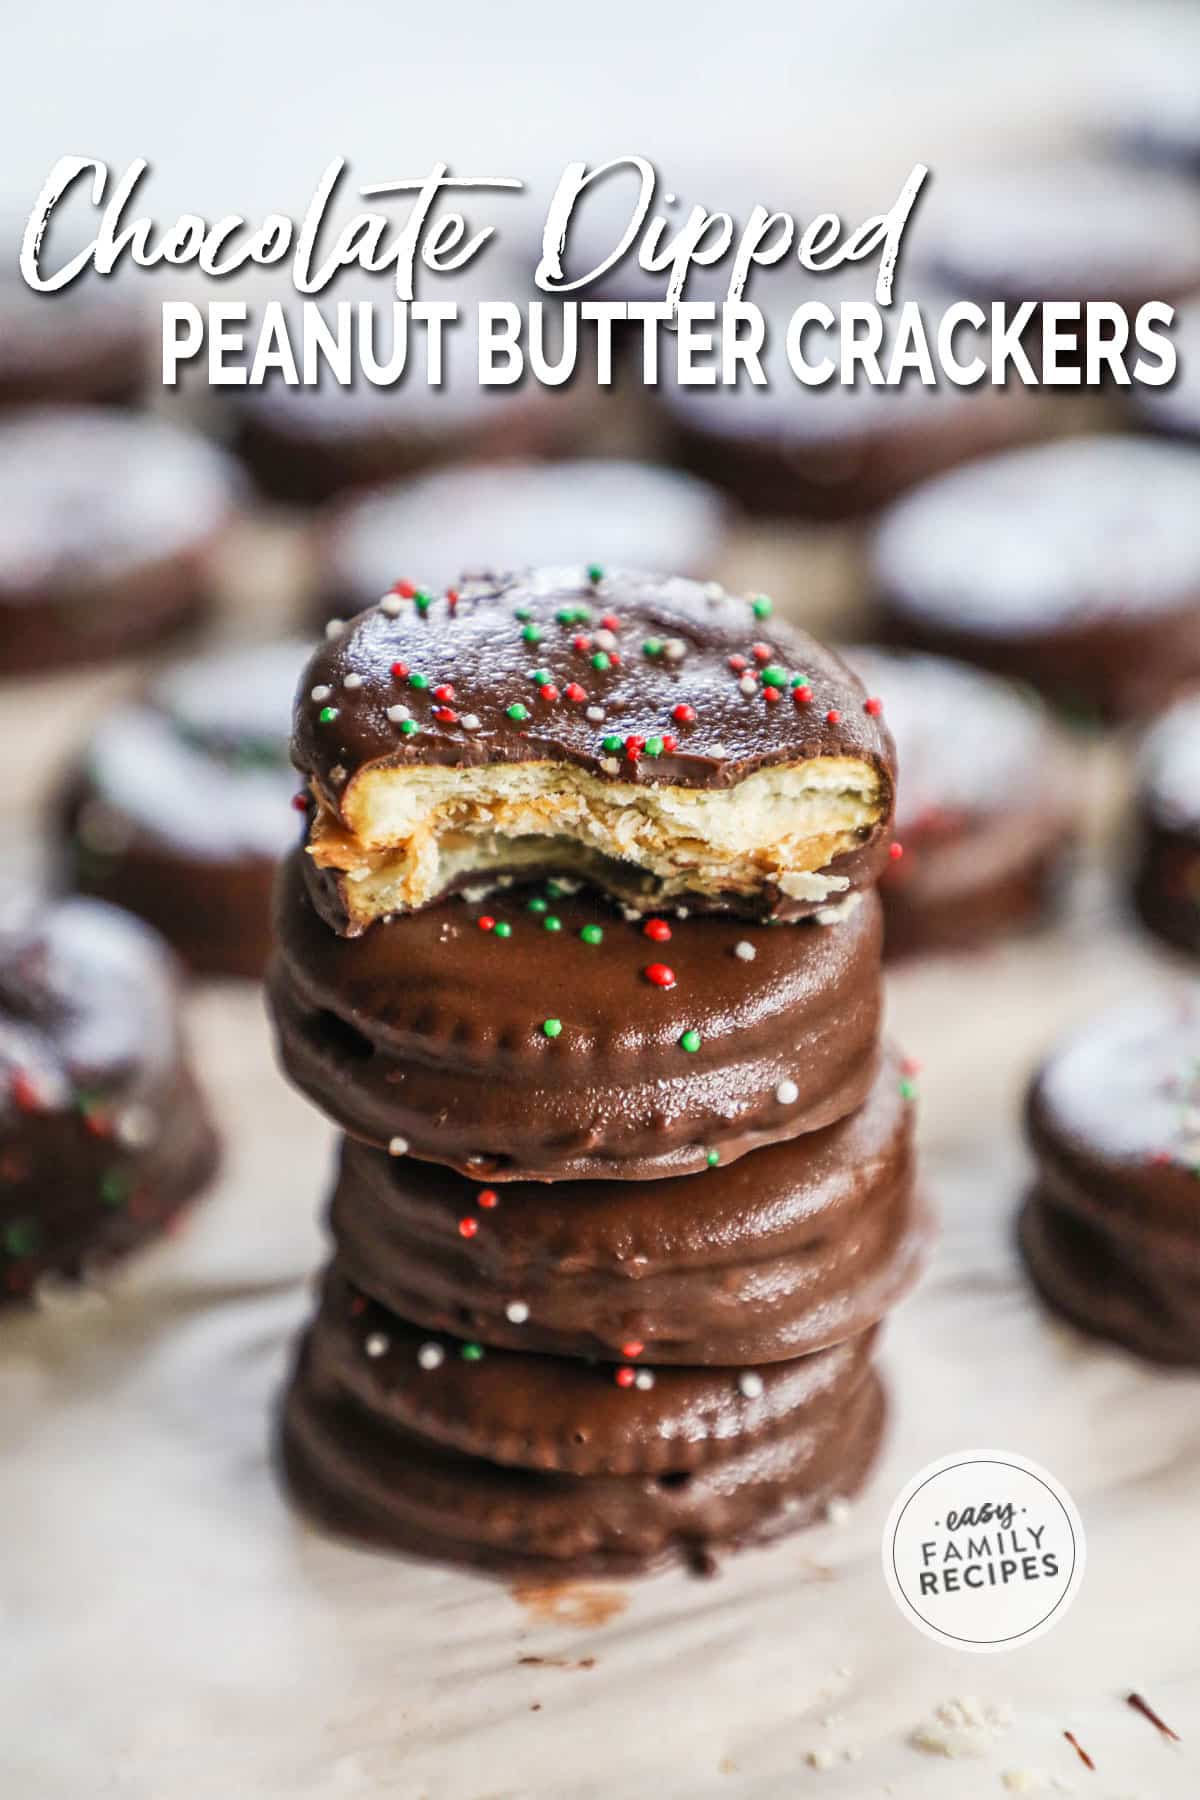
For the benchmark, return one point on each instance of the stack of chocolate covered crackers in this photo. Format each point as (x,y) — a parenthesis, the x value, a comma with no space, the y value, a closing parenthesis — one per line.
(582,953)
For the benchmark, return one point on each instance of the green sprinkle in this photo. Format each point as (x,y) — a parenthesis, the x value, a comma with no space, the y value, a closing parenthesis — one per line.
(327,714)
(595,573)
(574,615)
(652,647)
(522,612)
(551,923)
(422,601)
(417,680)
(472,1353)
(600,660)
(532,634)
(653,747)
(541,677)
(908,1090)
(773,675)
(20,1237)
(712,1158)
(592,934)
(555,889)
(502,929)
(517,711)
(408,726)
(690,1041)
(799,681)
(113,1188)
(551,1028)
(612,744)
(761,606)
(537,904)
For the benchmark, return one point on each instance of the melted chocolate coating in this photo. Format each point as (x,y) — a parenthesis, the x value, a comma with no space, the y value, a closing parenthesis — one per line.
(1074,566)
(353,1457)
(107,524)
(984,831)
(104,1136)
(183,805)
(783,1252)
(1111,1230)
(485,647)
(430,1029)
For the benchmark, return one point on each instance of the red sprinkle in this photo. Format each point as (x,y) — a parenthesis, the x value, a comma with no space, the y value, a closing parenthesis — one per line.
(358,1305)
(582,643)
(761,652)
(399,670)
(574,693)
(659,974)
(487,1198)
(486,922)
(802,695)
(873,706)
(895,851)
(300,802)
(658,929)
(632,1349)
(468,1227)
(911,1065)
(452,597)
(669,743)
(737,664)
(624,1377)
(444,693)
(614,657)
(445,715)
(611,622)
(770,695)
(634,746)
(684,714)
(549,692)
(833,716)
(25,1095)
(405,589)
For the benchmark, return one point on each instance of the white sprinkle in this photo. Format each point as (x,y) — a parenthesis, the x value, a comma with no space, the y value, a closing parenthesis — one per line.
(787,1093)
(353,681)
(431,1356)
(644,1379)
(391,604)
(398,1146)
(674,649)
(748,684)
(335,628)
(819,1759)
(516,1312)
(398,714)
(838,1512)
(718,750)
(604,640)
(377,1344)
(681,912)
(713,590)
(470,721)
(338,773)
(744,950)
(610,765)
(595,714)
(750,1384)
(320,693)
(1025,1781)
(137,1126)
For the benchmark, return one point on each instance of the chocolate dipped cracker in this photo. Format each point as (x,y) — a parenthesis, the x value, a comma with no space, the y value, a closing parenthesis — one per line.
(662,740)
